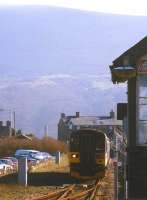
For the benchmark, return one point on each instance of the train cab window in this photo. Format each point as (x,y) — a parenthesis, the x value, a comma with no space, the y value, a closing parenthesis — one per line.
(74,143)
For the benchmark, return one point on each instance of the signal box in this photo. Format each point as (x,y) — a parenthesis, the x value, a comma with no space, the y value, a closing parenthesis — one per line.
(131,67)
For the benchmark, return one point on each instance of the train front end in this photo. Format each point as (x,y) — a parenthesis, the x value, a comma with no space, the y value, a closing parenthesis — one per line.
(88,156)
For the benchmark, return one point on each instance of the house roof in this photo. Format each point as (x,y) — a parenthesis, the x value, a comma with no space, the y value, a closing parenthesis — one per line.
(94,121)
(23,136)
(66,119)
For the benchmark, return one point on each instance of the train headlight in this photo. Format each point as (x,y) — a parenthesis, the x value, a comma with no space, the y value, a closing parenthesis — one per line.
(73,155)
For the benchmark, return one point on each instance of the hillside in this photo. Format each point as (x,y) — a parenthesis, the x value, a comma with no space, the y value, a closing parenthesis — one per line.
(57,60)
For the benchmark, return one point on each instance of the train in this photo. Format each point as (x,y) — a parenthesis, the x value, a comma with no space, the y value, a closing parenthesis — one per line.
(89,153)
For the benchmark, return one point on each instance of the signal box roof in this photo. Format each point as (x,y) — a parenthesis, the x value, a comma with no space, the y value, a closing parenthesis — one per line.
(134,53)
(121,71)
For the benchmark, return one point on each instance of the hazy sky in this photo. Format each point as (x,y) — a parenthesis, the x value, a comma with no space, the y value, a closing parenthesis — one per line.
(131,7)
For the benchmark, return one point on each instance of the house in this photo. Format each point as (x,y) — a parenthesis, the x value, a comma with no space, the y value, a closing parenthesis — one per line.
(63,127)
(24,136)
(6,129)
(67,124)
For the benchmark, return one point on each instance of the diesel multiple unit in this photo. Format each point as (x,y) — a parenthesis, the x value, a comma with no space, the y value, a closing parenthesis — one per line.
(89,153)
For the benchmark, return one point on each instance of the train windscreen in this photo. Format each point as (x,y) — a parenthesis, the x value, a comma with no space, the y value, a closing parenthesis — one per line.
(100,143)
(74,143)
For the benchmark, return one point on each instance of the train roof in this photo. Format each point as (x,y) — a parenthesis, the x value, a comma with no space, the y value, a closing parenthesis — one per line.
(89,129)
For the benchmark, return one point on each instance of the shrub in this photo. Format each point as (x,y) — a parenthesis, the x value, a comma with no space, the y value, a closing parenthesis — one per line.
(8,146)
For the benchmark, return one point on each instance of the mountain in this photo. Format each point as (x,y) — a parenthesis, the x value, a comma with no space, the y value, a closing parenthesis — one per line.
(57,60)
(40,100)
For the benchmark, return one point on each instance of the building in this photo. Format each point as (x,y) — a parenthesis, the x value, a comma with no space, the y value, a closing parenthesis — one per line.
(24,136)
(63,127)
(67,124)
(5,129)
(131,67)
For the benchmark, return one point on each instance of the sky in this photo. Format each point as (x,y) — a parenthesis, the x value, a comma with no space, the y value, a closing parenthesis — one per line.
(129,7)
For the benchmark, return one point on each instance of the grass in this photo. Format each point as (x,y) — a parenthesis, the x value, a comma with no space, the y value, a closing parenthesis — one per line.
(51,166)
(15,192)
(9,190)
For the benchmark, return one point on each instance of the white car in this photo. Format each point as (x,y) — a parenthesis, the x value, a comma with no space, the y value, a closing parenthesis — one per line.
(37,155)
(47,156)
(5,167)
(24,152)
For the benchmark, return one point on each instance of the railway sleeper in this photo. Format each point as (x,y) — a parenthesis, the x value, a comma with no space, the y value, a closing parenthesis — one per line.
(51,195)
(79,195)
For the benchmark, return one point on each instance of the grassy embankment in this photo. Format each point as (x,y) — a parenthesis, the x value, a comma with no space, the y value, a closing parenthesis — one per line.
(9,190)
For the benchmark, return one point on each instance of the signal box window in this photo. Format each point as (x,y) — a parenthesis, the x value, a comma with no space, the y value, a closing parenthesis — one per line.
(142,110)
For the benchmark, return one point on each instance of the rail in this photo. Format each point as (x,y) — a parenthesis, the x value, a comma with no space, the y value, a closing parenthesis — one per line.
(56,194)
(73,192)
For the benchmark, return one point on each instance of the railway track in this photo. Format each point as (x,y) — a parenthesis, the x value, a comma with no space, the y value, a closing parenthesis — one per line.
(73,192)
(89,190)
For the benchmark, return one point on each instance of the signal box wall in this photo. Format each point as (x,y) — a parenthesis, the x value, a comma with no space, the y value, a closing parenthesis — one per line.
(137,155)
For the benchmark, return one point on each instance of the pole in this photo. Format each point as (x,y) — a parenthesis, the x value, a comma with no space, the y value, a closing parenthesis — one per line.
(14,123)
(10,123)
(58,157)
(115,181)
(46,130)
(125,127)
(116,168)
(22,171)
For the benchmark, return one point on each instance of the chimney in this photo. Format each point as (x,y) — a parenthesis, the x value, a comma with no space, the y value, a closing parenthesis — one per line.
(77,114)
(62,115)
(112,114)
(46,131)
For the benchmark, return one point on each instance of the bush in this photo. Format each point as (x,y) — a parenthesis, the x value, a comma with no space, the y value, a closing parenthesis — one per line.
(8,146)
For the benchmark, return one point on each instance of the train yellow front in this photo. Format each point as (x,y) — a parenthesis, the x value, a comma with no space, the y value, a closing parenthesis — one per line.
(89,153)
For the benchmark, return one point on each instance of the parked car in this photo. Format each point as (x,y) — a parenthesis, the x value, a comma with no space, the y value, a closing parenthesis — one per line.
(48,156)
(28,154)
(45,155)
(37,155)
(14,160)
(24,152)
(32,160)
(4,166)
(7,161)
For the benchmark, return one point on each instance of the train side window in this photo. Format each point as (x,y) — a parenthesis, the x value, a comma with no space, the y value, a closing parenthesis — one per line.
(105,147)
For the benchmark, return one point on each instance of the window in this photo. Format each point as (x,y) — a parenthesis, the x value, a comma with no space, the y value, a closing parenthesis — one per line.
(142,110)
(144,63)
(74,143)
